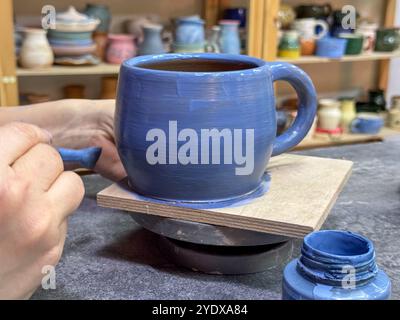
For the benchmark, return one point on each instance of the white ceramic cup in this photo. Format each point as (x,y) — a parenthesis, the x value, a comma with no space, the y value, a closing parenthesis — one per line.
(307,28)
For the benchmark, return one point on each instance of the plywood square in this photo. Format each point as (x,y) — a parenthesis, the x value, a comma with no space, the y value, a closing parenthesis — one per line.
(303,191)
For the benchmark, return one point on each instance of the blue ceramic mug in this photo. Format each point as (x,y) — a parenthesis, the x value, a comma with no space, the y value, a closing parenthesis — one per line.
(367,123)
(199,129)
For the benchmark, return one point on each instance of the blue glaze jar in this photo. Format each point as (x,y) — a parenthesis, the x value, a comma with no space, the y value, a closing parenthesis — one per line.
(102,13)
(184,122)
(190,31)
(230,37)
(152,43)
(335,265)
(331,47)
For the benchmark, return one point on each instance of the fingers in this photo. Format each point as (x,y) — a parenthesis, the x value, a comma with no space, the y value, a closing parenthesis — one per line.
(17,138)
(109,164)
(40,166)
(67,193)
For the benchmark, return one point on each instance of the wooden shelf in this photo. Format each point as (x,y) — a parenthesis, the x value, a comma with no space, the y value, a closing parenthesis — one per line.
(101,69)
(361,57)
(325,141)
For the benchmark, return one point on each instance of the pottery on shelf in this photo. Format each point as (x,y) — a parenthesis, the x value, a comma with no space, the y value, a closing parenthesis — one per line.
(286,15)
(329,114)
(238,14)
(307,28)
(101,40)
(387,39)
(74,91)
(368,30)
(229,37)
(213,40)
(355,43)
(152,42)
(331,47)
(367,123)
(377,100)
(308,47)
(394,115)
(74,50)
(85,60)
(35,50)
(100,12)
(335,265)
(289,46)
(314,11)
(121,47)
(349,112)
(109,87)
(189,31)
(395,102)
(200,92)
(73,21)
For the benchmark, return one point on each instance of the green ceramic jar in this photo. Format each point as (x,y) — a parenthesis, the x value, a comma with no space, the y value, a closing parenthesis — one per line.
(387,40)
(355,43)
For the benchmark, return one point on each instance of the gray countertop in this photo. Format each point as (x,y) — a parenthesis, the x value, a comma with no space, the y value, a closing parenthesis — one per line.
(108,256)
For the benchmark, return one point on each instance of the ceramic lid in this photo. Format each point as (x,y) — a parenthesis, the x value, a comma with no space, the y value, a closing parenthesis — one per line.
(74,21)
(72,15)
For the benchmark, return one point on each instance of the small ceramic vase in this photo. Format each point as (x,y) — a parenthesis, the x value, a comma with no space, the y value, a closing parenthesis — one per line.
(239,14)
(289,46)
(329,115)
(396,102)
(307,28)
(109,87)
(329,47)
(308,47)
(230,38)
(100,12)
(387,40)
(349,113)
(213,41)
(121,47)
(394,118)
(286,16)
(377,100)
(190,31)
(152,43)
(368,30)
(74,92)
(355,43)
(35,51)
(101,40)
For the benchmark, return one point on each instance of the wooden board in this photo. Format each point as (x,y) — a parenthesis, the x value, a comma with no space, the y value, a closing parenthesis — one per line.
(303,191)
(324,140)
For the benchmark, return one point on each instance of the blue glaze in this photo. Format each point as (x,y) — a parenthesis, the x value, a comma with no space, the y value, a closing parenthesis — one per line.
(190,31)
(331,47)
(85,158)
(319,274)
(152,43)
(367,125)
(242,99)
(230,39)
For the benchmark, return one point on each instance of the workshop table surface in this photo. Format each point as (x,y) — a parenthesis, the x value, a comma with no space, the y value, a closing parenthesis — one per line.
(108,256)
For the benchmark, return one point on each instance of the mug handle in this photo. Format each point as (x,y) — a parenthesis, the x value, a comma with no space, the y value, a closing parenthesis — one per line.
(307,95)
(325,29)
(354,126)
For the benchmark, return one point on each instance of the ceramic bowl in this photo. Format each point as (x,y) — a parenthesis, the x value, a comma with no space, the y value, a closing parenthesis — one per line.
(73,51)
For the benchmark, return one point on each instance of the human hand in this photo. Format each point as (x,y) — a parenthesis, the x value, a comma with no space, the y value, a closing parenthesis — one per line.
(80,124)
(36,197)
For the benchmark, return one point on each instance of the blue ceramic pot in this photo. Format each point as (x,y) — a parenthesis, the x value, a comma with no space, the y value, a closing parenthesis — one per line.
(152,43)
(200,128)
(190,31)
(102,13)
(335,265)
(367,124)
(230,38)
(239,14)
(331,47)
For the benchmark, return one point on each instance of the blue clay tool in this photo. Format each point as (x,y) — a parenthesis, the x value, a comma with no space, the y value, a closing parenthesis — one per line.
(85,158)
(335,265)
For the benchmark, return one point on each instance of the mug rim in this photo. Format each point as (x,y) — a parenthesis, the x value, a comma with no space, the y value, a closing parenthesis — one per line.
(133,64)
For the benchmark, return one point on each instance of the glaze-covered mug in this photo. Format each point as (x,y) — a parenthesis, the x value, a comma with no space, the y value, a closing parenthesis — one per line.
(199,129)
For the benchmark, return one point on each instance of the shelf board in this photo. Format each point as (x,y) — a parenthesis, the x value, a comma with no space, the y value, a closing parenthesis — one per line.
(361,57)
(101,69)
